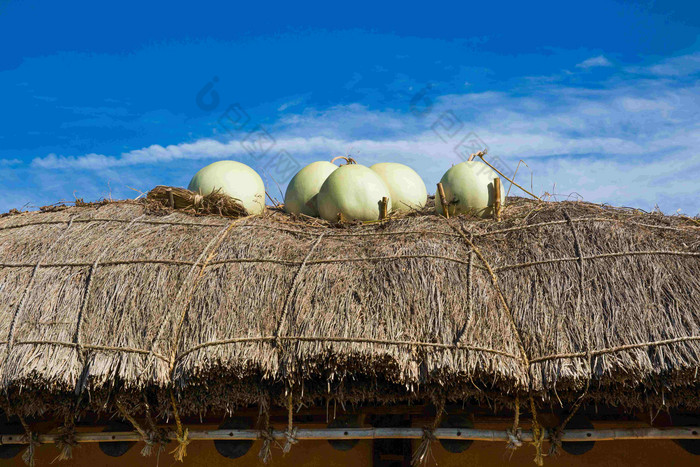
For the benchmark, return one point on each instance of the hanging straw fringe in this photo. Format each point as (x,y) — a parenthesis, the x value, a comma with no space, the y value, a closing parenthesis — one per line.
(182,434)
(32,440)
(424,450)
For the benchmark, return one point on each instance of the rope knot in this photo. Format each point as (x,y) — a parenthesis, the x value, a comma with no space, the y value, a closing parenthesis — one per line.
(32,439)
(291,439)
(65,442)
(515,438)
(537,439)
(420,456)
(266,448)
(555,441)
(182,438)
(153,438)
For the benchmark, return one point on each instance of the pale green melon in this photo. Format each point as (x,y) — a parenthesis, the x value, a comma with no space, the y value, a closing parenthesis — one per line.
(469,189)
(405,186)
(234,179)
(304,186)
(355,191)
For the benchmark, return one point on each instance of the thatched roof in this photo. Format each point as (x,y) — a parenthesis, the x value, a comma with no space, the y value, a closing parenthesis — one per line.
(117,298)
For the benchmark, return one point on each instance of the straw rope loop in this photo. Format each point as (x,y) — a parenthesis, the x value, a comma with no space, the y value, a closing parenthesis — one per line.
(188,298)
(28,287)
(88,286)
(494,281)
(208,251)
(293,288)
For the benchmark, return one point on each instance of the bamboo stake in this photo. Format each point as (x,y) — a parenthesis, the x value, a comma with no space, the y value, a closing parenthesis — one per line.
(511,181)
(443,201)
(668,433)
(385,204)
(497,199)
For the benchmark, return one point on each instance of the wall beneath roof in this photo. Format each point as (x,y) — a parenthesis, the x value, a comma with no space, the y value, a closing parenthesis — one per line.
(321,454)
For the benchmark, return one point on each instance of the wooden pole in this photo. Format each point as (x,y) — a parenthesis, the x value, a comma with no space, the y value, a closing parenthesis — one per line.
(497,199)
(385,204)
(171,199)
(443,201)
(669,433)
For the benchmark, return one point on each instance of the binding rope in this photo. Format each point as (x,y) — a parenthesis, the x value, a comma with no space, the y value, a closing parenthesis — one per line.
(150,438)
(290,435)
(266,430)
(88,289)
(293,288)
(494,281)
(28,288)
(66,440)
(470,294)
(182,436)
(424,450)
(537,434)
(558,432)
(211,250)
(537,431)
(32,441)
(515,435)
(206,252)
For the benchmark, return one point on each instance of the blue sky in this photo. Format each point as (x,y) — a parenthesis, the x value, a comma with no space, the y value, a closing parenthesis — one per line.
(600,100)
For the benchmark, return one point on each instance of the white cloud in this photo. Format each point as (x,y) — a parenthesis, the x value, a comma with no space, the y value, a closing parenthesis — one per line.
(630,142)
(9,162)
(677,66)
(592,62)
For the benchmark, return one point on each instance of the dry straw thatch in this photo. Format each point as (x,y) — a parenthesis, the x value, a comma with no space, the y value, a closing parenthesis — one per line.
(105,302)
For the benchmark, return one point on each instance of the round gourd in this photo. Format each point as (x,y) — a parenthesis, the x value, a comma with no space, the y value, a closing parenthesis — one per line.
(469,190)
(304,186)
(406,188)
(355,191)
(234,179)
